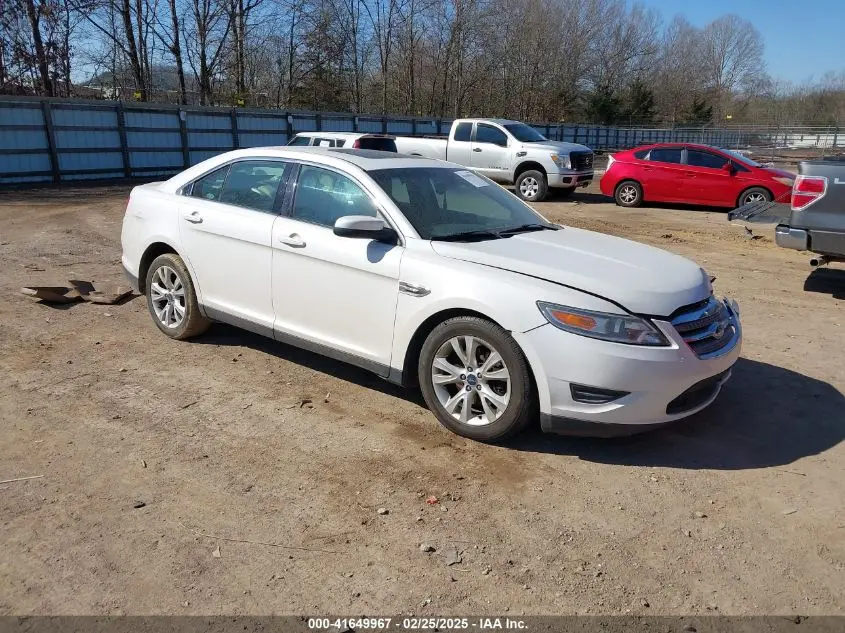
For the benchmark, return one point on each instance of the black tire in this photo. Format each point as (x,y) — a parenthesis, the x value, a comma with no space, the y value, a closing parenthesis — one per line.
(193,323)
(628,194)
(532,186)
(521,407)
(754,194)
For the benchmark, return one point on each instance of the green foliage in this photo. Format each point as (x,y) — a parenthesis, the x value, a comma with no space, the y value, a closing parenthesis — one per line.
(639,105)
(603,106)
(699,113)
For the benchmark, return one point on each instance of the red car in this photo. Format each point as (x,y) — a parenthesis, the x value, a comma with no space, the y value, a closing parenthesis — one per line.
(691,174)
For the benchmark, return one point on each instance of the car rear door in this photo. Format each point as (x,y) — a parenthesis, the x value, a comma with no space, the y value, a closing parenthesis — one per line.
(225,224)
(662,174)
(490,153)
(705,179)
(459,148)
(335,295)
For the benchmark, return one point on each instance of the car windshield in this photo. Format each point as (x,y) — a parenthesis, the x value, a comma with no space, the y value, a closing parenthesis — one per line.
(742,158)
(525,133)
(448,203)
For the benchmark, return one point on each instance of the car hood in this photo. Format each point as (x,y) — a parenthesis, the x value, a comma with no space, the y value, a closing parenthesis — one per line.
(557,146)
(643,279)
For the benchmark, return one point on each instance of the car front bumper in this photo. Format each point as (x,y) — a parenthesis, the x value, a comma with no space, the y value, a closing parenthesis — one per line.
(660,384)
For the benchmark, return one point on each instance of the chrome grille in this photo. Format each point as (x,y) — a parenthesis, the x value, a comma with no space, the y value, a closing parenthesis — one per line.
(707,327)
(581,161)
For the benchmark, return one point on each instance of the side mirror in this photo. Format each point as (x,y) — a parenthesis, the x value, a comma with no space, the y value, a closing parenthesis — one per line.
(728,167)
(364,227)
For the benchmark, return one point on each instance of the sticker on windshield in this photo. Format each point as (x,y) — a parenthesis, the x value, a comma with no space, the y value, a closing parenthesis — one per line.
(472,178)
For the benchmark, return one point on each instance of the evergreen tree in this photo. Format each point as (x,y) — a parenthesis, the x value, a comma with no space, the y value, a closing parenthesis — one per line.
(603,106)
(639,103)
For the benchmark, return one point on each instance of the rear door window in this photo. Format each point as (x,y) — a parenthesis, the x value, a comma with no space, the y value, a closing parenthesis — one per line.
(699,158)
(253,184)
(463,132)
(666,155)
(210,186)
(301,140)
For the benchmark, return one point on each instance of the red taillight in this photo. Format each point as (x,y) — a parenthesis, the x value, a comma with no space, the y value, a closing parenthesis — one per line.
(356,144)
(806,190)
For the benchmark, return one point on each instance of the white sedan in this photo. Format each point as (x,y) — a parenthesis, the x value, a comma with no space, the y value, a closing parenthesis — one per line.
(429,274)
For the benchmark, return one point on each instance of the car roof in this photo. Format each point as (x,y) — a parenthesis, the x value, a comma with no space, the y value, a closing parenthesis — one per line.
(692,145)
(328,134)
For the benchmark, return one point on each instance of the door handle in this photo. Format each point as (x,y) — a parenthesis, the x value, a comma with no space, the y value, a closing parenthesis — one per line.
(476,149)
(691,174)
(193,218)
(292,240)
(648,168)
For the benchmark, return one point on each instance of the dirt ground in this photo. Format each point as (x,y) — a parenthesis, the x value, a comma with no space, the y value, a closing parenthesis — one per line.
(738,510)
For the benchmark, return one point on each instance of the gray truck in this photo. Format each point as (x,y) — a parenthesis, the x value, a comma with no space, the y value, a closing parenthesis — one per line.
(817,219)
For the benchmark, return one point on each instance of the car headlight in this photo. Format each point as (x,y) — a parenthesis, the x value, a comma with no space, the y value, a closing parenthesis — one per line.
(617,328)
(562,161)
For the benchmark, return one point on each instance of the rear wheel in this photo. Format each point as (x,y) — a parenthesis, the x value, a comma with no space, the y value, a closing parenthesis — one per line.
(754,195)
(532,186)
(628,194)
(475,379)
(171,298)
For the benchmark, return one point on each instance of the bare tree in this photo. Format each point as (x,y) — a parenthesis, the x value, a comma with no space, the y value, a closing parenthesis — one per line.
(732,54)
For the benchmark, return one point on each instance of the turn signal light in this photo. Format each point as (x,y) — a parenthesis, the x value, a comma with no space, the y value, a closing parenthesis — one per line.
(806,190)
(575,320)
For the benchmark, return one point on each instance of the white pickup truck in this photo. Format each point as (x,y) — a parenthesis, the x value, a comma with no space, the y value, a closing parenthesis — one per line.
(509,152)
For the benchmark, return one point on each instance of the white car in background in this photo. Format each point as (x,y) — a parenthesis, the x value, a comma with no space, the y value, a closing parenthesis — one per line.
(426,273)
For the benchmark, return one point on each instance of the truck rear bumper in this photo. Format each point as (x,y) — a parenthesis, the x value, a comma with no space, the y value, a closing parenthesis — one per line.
(788,237)
(831,243)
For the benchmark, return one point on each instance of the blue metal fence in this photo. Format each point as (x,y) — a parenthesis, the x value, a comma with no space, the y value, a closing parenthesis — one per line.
(55,140)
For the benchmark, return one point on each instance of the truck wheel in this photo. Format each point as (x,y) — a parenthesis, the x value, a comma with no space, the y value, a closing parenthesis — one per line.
(475,379)
(628,194)
(532,186)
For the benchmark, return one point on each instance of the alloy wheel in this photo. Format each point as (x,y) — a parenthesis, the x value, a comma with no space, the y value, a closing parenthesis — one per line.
(471,380)
(754,197)
(167,294)
(529,187)
(628,194)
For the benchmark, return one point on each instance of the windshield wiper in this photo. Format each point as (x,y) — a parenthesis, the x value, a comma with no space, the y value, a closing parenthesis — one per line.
(526,228)
(466,236)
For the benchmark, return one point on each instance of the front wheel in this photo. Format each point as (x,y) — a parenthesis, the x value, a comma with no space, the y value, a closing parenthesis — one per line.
(532,186)
(475,379)
(754,195)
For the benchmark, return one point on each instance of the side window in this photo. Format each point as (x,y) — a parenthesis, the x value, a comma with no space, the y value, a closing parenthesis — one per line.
(253,184)
(490,134)
(463,132)
(666,155)
(301,140)
(324,142)
(739,166)
(697,158)
(323,196)
(210,186)
(641,154)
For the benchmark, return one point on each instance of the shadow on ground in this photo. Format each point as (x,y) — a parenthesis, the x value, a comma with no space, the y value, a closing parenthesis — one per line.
(827,281)
(765,416)
(227,335)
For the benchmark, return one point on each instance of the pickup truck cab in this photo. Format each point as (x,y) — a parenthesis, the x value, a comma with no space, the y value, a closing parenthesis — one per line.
(509,152)
(817,220)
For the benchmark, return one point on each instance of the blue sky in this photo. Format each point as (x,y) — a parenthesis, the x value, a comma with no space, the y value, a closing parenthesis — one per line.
(803,39)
